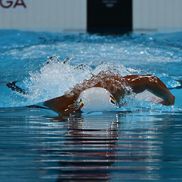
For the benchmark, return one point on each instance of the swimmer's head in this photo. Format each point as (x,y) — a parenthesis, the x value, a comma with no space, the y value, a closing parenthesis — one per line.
(96,99)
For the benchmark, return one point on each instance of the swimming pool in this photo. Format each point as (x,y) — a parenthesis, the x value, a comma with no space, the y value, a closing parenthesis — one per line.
(141,141)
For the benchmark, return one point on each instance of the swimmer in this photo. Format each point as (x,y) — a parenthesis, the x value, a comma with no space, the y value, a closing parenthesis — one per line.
(116,87)
(108,86)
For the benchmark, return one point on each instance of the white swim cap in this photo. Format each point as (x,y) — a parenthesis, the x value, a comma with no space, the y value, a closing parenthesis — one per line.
(96,99)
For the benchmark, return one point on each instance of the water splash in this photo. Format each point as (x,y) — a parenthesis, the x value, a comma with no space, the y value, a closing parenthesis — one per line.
(57,77)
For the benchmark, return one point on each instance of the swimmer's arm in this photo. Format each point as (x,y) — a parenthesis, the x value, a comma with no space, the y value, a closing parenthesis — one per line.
(63,105)
(152,84)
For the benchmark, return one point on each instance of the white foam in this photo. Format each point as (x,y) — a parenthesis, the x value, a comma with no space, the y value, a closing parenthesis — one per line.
(56,78)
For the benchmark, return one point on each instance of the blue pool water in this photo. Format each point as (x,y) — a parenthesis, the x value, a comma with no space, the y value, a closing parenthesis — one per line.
(141,141)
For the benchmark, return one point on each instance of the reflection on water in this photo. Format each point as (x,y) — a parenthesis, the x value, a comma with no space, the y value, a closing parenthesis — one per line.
(107,147)
(90,148)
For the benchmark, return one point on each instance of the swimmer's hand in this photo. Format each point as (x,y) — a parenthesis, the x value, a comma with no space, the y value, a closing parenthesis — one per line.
(14,87)
(169,101)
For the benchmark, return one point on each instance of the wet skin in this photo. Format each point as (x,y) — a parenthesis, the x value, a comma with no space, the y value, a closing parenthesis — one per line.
(117,85)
